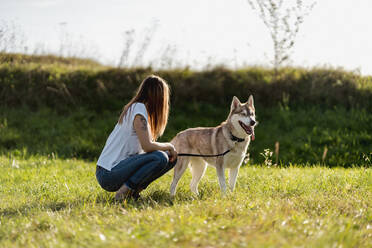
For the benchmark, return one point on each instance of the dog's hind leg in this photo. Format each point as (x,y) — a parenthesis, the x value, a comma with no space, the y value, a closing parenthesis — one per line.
(233,174)
(179,169)
(198,167)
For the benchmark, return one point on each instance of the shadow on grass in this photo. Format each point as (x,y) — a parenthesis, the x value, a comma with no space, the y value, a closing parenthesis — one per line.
(152,199)
(148,199)
(159,198)
(29,209)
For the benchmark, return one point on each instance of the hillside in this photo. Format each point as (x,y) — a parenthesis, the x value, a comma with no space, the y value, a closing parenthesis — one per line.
(69,106)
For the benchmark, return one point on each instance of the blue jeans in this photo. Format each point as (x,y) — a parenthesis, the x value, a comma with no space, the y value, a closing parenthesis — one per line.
(137,171)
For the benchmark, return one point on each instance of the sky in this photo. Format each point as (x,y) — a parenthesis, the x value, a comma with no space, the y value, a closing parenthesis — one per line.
(198,33)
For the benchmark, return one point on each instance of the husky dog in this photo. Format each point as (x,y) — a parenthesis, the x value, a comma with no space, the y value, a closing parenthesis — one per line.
(234,134)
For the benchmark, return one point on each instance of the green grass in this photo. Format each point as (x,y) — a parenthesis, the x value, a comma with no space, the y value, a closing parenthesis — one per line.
(46,202)
(303,133)
(57,111)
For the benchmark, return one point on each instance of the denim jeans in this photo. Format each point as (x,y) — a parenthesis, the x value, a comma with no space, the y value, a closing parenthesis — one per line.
(137,171)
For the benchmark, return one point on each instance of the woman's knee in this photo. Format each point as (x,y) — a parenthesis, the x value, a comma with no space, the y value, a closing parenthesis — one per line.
(162,157)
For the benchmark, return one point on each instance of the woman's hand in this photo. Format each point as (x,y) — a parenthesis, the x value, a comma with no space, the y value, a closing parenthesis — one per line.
(172,152)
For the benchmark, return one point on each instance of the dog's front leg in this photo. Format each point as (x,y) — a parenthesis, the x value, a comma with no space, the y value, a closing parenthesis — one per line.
(221,176)
(232,177)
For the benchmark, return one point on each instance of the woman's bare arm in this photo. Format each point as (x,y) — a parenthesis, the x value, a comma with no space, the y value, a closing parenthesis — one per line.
(142,129)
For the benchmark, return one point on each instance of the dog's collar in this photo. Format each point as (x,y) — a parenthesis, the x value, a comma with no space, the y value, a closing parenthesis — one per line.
(234,138)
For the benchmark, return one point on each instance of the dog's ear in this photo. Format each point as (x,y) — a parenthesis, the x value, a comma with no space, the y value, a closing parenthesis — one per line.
(251,102)
(235,103)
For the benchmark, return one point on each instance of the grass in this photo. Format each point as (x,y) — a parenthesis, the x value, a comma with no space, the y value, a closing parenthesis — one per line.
(303,133)
(57,111)
(48,202)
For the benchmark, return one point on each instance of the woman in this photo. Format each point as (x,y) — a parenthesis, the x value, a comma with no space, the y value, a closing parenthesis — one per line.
(131,158)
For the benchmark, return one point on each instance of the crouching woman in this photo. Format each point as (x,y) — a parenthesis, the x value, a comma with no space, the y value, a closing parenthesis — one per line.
(131,158)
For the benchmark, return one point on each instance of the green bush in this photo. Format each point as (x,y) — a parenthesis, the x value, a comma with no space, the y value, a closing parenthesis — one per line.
(100,88)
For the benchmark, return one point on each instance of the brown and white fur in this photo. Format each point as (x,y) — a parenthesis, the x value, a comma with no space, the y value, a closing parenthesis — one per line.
(216,140)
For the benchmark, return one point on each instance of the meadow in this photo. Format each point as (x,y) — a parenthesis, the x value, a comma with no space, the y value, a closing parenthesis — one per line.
(48,202)
(56,113)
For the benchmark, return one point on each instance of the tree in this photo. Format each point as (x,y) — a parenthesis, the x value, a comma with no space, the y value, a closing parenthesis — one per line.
(283,21)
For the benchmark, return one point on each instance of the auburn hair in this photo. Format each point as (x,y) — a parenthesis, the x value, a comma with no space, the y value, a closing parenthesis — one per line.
(154,94)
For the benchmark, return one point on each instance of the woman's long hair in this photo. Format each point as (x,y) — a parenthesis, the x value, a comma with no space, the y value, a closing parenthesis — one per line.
(154,93)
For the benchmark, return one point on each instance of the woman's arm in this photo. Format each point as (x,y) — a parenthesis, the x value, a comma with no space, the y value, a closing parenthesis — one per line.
(142,129)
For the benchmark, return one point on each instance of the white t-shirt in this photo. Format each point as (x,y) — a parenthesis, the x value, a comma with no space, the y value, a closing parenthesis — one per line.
(123,141)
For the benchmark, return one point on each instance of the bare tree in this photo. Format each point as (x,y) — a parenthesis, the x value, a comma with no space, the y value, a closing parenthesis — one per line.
(133,50)
(283,21)
(149,35)
(167,56)
(128,40)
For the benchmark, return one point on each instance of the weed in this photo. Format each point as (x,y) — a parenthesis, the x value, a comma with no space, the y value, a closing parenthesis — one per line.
(267,154)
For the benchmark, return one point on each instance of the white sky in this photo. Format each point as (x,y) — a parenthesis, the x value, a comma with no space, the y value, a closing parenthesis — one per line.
(337,33)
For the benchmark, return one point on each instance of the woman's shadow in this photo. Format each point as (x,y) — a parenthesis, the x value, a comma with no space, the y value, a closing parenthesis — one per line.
(157,198)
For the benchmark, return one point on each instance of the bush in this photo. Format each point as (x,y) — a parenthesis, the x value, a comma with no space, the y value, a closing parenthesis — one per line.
(101,88)
(70,108)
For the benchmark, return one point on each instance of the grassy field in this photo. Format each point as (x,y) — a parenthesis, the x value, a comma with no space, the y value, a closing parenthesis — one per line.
(56,114)
(47,202)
